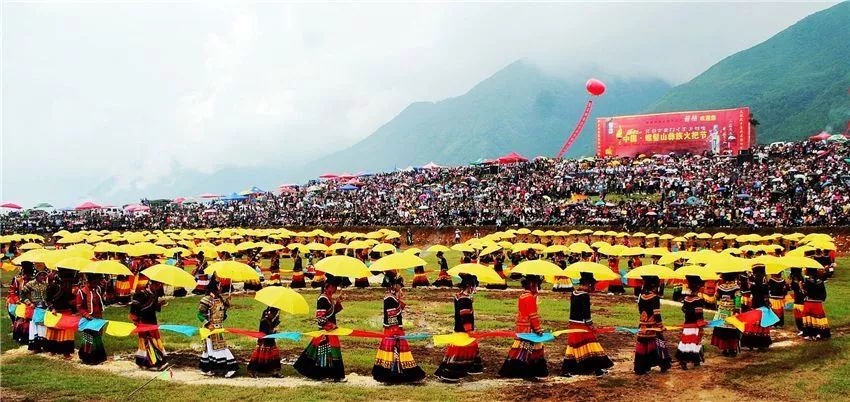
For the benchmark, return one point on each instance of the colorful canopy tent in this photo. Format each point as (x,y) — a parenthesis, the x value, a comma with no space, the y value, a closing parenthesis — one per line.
(10,205)
(42,205)
(234,197)
(328,176)
(88,205)
(257,190)
(431,165)
(820,137)
(512,157)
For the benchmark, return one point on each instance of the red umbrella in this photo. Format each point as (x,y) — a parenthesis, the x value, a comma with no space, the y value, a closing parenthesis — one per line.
(288,190)
(346,176)
(328,176)
(209,195)
(10,205)
(178,200)
(820,137)
(87,206)
(512,157)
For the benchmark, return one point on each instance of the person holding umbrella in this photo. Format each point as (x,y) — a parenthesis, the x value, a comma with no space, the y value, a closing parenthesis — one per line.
(650,348)
(20,324)
(143,308)
(690,343)
(266,356)
(60,299)
(726,337)
(394,362)
(443,278)
(584,354)
(34,296)
(217,359)
(322,359)
(461,361)
(90,306)
(298,281)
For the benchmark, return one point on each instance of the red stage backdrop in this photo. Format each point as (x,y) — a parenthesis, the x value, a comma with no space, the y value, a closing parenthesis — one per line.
(720,131)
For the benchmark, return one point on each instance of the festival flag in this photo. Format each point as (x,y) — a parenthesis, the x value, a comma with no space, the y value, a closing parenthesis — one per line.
(456,339)
(245,332)
(205,333)
(186,330)
(292,336)
(93,324)
(120,328)
(166,375)
(762,316)
(532,337)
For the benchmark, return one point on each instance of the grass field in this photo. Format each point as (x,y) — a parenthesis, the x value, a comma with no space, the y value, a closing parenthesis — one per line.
(800,372)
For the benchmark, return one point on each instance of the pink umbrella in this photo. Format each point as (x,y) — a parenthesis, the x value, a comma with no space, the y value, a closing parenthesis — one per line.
(288,185)
(346,176)
(288,190)
(209,195)
(88,205)
(10,205)
(820,137)
(178,200)
(431,165)
(136,208)
(209,211)
(328,176)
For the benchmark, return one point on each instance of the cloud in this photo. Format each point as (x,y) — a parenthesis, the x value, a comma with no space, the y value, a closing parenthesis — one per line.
(102,100)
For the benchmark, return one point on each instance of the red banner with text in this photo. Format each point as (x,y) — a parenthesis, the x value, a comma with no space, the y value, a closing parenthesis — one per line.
(725,131)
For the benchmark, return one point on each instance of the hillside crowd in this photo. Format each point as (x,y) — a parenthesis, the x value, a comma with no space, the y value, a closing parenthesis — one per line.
(792,184)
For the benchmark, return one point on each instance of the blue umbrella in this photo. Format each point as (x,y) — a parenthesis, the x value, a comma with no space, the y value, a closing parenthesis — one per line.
(743,195)
(234,197)
(348,187)
(599,203)
(257,190)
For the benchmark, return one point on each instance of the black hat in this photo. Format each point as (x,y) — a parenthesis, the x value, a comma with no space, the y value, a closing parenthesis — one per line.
(528,279)
(213,284)
(649,281)
(332,280)
(758,269)
(27,268)
(694,281)
(587,278)
(93,277)
(467,280)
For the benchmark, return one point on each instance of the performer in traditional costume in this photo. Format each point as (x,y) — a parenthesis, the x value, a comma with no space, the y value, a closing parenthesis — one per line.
(584,354)
(394,362)
(562,283)
(815,324)
(298,281)
(143,308)
(61,298)
(799,297)
(217,359)
(34,295)
(90,306)
(690,343)
(20,324)
(419,277)
(708,292)
(777,290)
(755,336)
(461,361)
(650,348)
(526,359)
(744,281)
(726,337)
(322,359)
(498,266)
(274,270)
(202,279)
(443,278)
(266,357)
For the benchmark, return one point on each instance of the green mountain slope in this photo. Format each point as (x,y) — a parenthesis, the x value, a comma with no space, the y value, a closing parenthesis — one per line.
(796,82)
(517,109)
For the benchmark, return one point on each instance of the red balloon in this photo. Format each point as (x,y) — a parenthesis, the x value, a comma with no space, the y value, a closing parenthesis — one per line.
(595,87)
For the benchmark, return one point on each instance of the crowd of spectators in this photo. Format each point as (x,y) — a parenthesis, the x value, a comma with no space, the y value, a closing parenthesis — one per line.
(783,185)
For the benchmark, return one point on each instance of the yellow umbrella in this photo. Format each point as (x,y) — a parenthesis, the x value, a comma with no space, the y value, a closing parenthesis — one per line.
(599,271)
(538,267)
(397,261)
(490,250)
(729,265)
(822,245)
(484,273)
(247,245)
(702,272)
(673,257)
(316,247)
(600,244)
(30,256)
(383,248)
(30,246)
(285,299)
(413,250)
(523,231)
(170,275)
(656,251)
(75,263)
(463,247)
(338,246)
(772,265)
(343,266)
(271,248)
(233,270)
(104,247)
(108,267)
(437,247)
(660,271)
(229,248)
(796,261)
(579,248)
(556,248)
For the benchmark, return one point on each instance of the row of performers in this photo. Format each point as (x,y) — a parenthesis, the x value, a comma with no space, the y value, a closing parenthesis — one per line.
(394,363)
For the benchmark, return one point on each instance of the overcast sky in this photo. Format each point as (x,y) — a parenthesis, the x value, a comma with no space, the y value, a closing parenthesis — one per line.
(135,90)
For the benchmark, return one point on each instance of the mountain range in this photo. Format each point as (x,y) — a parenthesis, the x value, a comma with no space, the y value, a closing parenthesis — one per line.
(796,84)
